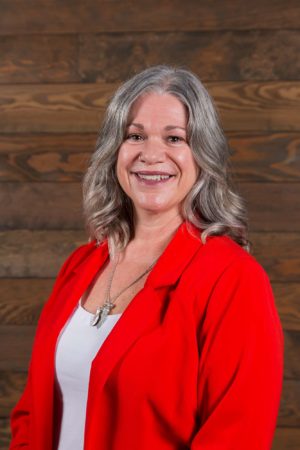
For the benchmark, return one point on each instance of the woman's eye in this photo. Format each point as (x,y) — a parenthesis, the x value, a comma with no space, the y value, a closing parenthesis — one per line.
(134,137)
(175,139)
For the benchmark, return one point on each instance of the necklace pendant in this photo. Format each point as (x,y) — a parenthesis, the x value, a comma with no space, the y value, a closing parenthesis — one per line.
(101,314)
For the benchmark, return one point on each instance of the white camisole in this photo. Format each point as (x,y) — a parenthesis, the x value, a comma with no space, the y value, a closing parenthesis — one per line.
(77,346)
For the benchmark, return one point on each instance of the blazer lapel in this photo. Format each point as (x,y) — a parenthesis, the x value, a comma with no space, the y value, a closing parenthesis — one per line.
(144,311)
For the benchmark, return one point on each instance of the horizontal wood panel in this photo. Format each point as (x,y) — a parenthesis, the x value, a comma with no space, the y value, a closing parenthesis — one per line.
(286,439)
(114,16)
(289,412)
(21,301)
(279,254)
(226,55)
(264,156)
(35,59)
(229,55)
(291,355)
(64,157)
(38,253)
(246,106)
(272,206)
(56,206)
(26,253)
(46,157)
(287,302)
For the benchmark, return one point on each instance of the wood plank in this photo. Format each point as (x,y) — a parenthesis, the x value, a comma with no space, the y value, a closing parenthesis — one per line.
(286,439)
(39,253)
(56,206)
(15,347)
(21,301)
(272,206)
(247,106)
(53,107)
(278,253)
(45,157)
(26,253)
(289,413)
(264,156)
(225,55)
(291,355)
(118,16)
(287,303)
(259,157)
(5,435)
(28,59)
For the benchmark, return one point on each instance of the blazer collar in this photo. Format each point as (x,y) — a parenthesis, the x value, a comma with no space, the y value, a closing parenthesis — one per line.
(171,263)
(142,314)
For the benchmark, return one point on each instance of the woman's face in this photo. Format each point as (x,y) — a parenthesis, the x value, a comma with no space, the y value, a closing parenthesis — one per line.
(155,165)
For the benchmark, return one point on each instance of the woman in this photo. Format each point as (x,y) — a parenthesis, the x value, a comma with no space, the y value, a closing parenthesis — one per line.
(161,332)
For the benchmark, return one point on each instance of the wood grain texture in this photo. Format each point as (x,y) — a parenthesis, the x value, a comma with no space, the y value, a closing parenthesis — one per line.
(272,157)
(272,206)
(38,253)
(265,156)
(56,206)
(287,303)
(291,355)
(279,254)
(214,56)
(93,16)
(286,439)
(38,59)
(21,301)
(45,157)
(243,106)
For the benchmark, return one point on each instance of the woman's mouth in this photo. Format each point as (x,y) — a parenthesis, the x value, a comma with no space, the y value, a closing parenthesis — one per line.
(150,180)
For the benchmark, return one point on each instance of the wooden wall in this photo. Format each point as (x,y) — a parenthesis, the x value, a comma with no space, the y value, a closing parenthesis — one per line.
(59,63)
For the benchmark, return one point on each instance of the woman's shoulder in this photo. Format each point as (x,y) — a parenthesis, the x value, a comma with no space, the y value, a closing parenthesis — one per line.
(78,255)
(220,253)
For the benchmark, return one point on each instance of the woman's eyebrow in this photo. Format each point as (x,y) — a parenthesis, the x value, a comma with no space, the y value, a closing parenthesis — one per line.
(168,127)
(171,127)
(137,125)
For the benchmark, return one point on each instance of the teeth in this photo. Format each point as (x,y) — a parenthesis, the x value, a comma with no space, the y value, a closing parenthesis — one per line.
(154,177)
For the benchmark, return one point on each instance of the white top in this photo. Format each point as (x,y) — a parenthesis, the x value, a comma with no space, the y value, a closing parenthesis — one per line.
(77,346)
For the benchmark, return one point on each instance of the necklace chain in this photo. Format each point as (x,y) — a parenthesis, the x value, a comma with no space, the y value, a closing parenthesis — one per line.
(103,311)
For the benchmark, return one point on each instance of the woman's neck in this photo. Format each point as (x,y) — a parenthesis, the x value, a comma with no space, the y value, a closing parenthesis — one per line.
(151,237)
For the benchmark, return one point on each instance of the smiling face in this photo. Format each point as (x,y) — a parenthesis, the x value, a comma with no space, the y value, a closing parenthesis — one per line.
(155,165)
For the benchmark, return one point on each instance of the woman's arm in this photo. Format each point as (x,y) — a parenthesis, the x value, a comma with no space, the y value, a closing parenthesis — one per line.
(241,362)
(20,415)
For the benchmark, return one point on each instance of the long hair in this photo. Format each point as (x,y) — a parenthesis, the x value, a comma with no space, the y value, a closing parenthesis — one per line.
(213,204)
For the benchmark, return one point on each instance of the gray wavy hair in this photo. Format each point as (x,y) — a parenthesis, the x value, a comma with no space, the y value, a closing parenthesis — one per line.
(212,205)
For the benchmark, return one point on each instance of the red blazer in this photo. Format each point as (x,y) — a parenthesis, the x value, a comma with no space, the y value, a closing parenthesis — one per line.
(195,361)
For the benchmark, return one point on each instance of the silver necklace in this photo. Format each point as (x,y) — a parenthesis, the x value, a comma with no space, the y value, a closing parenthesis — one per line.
(103,311)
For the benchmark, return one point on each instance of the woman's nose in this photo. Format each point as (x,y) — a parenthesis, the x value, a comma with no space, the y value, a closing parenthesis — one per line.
(152,152)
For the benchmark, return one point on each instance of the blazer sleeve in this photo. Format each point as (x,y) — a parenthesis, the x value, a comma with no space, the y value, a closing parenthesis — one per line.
(241,346)
(20,415)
